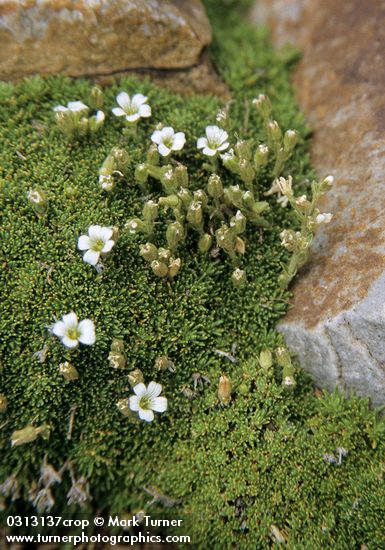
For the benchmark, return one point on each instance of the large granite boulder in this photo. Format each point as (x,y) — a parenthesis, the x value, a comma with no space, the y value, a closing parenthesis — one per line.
(105,38)
(337,321)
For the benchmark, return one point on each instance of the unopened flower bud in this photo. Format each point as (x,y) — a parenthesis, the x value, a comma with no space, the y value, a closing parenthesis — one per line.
(38,201)
(283,357)
(96,98)
(164,255)
(274,132)
(150,211)
(3,403)
(121,157)
(181,175)
(248,199)
(261,156)
(224,390)
(174,234)
(214,186)
(246,171)
(326,184)
(159,268)
(106,182)
(266,359)
(153,155)
(238,222)
(135,377)
(28,434)
(263,104)
(141,174)
(171,200)
(200,196)
(290,140)
(238,277)
(234,195)
(243,149)
(205,242)
(134,226)
(148,251)
(68,371)
(323,219)
(240,246)
(185,196)
(230,161)
(174,267)
(195,214)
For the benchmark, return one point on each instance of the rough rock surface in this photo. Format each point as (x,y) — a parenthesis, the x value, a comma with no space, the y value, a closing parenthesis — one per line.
(337,320)
(102,38)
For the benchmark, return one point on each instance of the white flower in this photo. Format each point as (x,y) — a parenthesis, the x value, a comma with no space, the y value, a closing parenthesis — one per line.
(100,117)
(35,196)
(323,218)
(98,241)
(73,106)
(71,331)
(133,109)
(147,400)
(215,141)
(167,140)
(106,182)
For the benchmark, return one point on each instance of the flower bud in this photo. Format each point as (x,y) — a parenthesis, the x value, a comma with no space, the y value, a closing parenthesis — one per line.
(226,239)
(290,140)
(164,254)
(266,359)
(185,197)
(326,184)
(246,171)
(283,357)
(230,161)
(238,277)
(38,201)
(234,195)
(168,180)
(106,182)
(238,222)
(240,246)
(68,371)
(28,434)
(3,403)
(200,196)
(205,242)
(134,226)
(148,251)
(181,175)
(150,211)
(243,149)
(224,390)
(117,360)
(171,200)
(323,219)
(141,174)
(248,199)
(302,203)
(121,157)
(274,132)
(153,155)
(174,267)
(174,234)
(195,214)
(261,156)
(135,377)
(96,122)
(214,186)
(163,363)
(96,98)
(122,405)
(285,186)
(263,104)
(159,268)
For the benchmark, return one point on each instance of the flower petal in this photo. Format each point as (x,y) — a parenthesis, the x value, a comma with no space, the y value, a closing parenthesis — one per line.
(84,242)
(59,329)
(107,247)
(201,142)
(140,389)
(70,320)
(118,111)
(145,110)
(76,106)
(133,118)
(211,132)
(163,150)
(87,332)
(95,231)
(138,100)
(91,257)
(106,233)
(156,137)
(100,116)
(69,342)
(146,414)
(154,389)
(168,132)
(179,141)
(60,109)
(133,402)
(223,146)
(209,152)
(123,99)
(159,404)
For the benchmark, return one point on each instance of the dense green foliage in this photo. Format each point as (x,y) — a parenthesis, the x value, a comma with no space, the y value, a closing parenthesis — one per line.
(232,472)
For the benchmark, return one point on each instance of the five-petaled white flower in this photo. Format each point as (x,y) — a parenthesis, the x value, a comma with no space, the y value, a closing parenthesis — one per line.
(132,108)
(71,331)
(73,106)
(167,140)
(147,400)
(97,242)
(215,141)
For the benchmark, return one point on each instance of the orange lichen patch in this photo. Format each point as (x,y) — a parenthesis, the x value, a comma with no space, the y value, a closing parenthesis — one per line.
(340,81)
